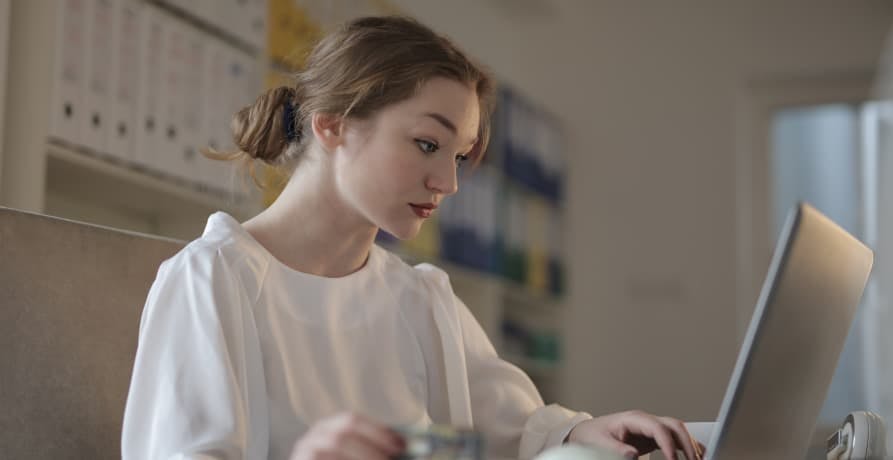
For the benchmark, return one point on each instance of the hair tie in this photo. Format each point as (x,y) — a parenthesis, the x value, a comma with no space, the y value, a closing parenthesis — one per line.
(288,119)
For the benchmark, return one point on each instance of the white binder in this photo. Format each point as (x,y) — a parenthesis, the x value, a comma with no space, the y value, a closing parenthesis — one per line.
(148,125)
(125,79)
(215,118)
(191,132)
(69,71)
(171,95)
(99,49)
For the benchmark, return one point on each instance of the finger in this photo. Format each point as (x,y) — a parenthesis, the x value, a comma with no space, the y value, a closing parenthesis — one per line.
(648,426)
(664,439)
(682,437)
(374,434)
(662,435)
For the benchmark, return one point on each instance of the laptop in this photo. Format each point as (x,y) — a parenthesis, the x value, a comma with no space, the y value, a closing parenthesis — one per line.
(797,332)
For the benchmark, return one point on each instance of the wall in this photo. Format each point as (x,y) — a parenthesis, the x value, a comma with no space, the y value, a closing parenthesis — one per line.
(650,95)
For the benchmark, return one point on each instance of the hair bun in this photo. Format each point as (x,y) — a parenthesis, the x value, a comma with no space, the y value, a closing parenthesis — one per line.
(262,130)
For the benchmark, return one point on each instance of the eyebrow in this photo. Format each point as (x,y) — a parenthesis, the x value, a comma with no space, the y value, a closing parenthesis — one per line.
(447,124)
(444,121)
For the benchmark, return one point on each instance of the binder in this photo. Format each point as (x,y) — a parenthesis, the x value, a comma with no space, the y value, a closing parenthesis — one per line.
(100,19)
(125,79)
(69,71)
(148,125)
(489,220)
(537,249)
(215,119)
(556,252)
(514,261)
(171,95)
(192,131)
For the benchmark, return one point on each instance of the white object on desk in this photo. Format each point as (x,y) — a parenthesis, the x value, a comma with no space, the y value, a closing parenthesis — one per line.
(861,437)
(577,452)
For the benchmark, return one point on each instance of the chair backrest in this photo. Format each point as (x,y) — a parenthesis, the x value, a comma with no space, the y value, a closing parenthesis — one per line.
(71,295)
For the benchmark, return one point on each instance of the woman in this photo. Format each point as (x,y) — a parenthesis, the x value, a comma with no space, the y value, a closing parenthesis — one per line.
(292,335)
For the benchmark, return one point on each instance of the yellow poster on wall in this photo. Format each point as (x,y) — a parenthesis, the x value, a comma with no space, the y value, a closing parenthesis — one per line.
(291,34)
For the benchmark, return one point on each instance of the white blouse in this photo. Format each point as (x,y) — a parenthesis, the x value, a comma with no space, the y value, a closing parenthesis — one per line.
(239,354)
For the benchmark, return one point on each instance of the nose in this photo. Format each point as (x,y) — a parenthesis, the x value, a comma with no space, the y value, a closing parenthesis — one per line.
(443,180)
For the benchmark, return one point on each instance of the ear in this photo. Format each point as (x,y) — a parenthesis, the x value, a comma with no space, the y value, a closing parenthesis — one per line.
(328,130)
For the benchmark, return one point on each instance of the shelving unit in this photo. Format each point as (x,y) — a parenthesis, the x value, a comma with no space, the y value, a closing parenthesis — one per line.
(43,172)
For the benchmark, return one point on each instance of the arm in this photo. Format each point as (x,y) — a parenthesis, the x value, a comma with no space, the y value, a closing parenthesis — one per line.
(197,389)
(507,407)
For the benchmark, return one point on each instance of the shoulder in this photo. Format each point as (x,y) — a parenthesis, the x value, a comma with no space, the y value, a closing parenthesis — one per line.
(224,255)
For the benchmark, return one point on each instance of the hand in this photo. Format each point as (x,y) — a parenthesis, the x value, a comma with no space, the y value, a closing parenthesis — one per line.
(637,433)
(348,437)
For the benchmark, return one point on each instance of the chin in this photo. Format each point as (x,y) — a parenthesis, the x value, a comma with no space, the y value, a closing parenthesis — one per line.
(403,232)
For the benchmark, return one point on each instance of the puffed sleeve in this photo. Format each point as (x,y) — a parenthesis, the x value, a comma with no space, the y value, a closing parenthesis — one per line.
(197,390)
(506,405)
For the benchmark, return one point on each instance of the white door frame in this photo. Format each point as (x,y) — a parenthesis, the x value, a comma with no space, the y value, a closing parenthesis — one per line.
(4,52)
(755,105)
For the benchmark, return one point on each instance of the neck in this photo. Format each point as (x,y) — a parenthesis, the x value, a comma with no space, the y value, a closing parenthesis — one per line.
(310,228)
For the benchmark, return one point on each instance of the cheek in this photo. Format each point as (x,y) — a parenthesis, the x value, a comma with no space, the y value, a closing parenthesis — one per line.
(383,178)
(396,167)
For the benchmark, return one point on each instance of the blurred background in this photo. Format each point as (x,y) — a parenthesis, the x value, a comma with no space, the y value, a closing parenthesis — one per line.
(615,239)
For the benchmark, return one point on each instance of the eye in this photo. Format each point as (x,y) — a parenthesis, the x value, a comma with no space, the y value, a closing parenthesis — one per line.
(427,146)
(461,159)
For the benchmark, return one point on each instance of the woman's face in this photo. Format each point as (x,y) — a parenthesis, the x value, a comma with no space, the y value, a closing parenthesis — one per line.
(396,167)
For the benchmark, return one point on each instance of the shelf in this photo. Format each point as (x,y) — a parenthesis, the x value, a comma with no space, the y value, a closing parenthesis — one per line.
(96,178)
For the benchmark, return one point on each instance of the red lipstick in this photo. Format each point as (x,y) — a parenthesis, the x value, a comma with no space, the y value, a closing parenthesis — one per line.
(423,210)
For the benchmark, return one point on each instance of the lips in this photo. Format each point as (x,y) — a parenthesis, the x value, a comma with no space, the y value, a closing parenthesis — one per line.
(423,210)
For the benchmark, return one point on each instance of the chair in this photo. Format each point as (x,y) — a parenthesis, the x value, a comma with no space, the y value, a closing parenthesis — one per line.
(71,295)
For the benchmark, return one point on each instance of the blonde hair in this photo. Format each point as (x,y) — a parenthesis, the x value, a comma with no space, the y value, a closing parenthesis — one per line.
(358,69)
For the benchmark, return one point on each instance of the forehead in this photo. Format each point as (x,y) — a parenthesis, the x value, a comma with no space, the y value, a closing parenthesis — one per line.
(451,99)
